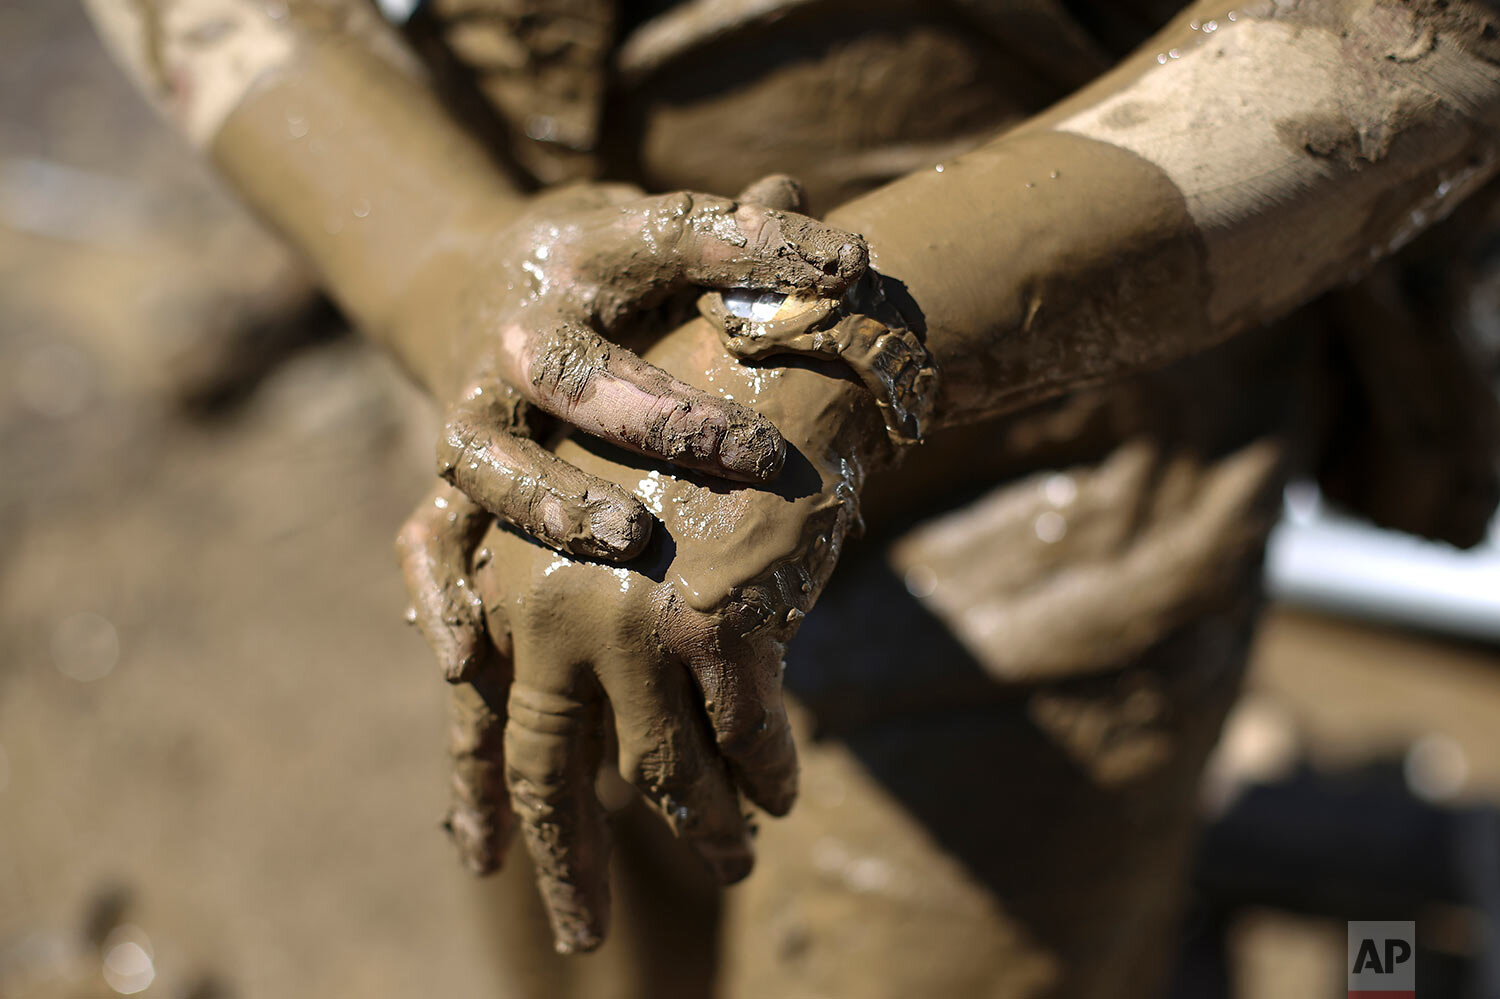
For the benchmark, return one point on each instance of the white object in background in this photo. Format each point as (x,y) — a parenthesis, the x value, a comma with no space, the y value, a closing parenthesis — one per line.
(1318,558)
(398,11)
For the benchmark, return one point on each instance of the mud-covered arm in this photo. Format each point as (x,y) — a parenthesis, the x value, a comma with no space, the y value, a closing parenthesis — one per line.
(1232,168)
(320,120)
(499,304)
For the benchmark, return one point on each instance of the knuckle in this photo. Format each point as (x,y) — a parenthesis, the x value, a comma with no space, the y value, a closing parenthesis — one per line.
(455,447)
(564,362)
(534,791)
(545,714)
(663,771)
(744,730)
(413,540)
(677,427)
(663,221)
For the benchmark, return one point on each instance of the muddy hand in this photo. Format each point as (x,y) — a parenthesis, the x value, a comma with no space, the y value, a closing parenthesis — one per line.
(686,673)
(538,309)
(680,653)
(509,474)
(693,698)
(526,744)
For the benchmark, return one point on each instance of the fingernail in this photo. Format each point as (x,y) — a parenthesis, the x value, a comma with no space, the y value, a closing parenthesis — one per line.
(853,259)
(617,528)
(753,448)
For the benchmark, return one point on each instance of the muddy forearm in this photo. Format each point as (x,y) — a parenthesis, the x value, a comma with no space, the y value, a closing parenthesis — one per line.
(317,116)
(1226,172)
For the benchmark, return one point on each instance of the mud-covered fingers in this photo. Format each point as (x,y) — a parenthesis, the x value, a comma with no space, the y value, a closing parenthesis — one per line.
(740,681)
(524,484)
(776,190)
(719,243)
(553,745)
(667,752)
(435,546)
(479,819)
(568,370)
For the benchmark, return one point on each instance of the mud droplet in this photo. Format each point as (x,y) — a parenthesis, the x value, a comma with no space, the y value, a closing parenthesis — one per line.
(1060,489)
(921,581)
(939,168)
(1050,527)
(128,966)
(1436,768)
(410,615)
(541,127)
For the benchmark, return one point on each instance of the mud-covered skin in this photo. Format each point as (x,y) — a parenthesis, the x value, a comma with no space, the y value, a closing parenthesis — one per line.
(529,301)
(436,548)
(1123,256)
(864,331)
(734,576)
(481,293)
(685,646)
(479,820)
(566,508)
(1089,257)
(1108,233)
(1227,171)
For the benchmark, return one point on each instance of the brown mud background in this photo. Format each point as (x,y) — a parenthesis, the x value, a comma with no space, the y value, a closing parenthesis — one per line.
(214,726)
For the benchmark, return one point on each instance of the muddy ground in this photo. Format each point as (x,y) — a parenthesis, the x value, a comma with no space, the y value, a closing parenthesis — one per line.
(220,746)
